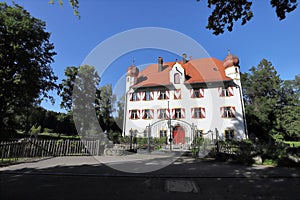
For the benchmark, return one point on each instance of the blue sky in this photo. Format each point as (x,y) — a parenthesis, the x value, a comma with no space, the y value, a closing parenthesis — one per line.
(263,37)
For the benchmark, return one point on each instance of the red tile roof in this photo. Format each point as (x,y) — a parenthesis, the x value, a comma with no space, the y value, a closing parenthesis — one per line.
(199,70)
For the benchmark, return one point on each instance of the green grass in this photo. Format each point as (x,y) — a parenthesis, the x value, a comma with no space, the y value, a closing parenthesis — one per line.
(56,135)
(7,161)
(270,162)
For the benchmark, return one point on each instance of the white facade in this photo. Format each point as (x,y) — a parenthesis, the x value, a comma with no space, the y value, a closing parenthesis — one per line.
(198,107)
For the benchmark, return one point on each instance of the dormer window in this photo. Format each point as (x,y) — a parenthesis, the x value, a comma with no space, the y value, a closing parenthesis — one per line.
(177,78)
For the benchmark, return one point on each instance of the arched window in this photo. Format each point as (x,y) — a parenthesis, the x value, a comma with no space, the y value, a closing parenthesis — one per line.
(176,78)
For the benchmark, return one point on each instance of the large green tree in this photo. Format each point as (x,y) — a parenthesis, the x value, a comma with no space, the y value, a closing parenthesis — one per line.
(261,88)
(289,118)
(271,104)
(105,101)
(84,80)
(78,91)
(25,57)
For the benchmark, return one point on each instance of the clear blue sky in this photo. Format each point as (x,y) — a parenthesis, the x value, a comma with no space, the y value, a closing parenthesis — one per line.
(263,37)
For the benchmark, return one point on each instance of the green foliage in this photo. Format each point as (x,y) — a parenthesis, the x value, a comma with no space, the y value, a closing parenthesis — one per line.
(292,143)
(25,58)
(35,130)
(74,4)
(289,119)
(78,92)
(270,162)
(120,109)
(115,137)
(271,104)
(105,99)
(226,12)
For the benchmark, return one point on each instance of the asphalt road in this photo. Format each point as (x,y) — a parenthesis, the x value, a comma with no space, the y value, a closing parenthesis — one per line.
(186,178)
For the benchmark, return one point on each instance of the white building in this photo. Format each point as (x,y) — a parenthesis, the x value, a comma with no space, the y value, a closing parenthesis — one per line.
(196,96)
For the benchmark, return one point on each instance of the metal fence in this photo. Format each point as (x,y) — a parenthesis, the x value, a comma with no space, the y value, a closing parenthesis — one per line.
(44,148)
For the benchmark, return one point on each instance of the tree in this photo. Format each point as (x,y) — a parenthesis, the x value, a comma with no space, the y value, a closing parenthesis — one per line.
(85,80)
(105,101)
(66,87)
(271,104)
(78,92)
(261,96)
(120,108)
(25,58)
(289,117)
(73,3)
(227,12)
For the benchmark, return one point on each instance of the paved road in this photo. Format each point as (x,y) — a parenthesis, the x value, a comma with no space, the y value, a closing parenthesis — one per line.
(87,178)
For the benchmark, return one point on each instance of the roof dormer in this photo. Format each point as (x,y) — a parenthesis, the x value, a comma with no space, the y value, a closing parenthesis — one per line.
(177,75)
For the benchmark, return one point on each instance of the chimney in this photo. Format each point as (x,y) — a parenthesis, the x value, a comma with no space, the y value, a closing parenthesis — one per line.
(184,58)
(160,63)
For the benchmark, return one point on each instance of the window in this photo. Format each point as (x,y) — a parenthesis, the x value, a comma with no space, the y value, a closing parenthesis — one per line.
(164,94)
(162,133)
(134,114)
(147,96)
(177,94)
(229,134)
(226,92)
(177,78)
(197,92)
(198,113)
(147,114)
(134,96)
(228,112)
(162,113)
(178,113)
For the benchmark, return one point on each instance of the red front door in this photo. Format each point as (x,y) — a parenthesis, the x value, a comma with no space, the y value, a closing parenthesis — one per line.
(178,135)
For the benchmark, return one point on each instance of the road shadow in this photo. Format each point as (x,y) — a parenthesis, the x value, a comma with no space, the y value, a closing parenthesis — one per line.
(85,178)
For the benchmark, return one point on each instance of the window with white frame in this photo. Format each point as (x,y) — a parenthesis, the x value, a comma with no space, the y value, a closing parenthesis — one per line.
(147,96)
(163,94)
(147,114)
(198,113)
(177,94)
(228,112)
(197,92)
(134,114)
(177,113)
(134,96)
(162,113)
(226,92)
(176,78)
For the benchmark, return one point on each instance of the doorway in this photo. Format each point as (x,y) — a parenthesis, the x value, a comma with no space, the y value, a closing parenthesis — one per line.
(179,135)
